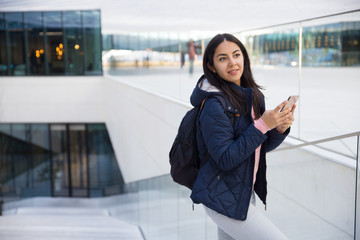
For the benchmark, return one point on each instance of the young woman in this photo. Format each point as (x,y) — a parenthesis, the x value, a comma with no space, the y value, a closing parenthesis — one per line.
(234,150)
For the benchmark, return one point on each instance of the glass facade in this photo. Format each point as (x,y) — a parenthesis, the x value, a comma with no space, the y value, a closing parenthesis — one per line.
(50,43)
(69,160)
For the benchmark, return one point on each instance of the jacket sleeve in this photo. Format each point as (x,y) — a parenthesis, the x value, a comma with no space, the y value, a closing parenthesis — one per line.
(218,134)
(275,139)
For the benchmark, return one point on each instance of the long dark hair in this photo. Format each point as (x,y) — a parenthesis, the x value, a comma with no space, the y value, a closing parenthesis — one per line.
(247,80)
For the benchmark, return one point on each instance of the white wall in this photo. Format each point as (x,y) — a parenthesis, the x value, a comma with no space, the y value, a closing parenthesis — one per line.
(142,127)
(51,99)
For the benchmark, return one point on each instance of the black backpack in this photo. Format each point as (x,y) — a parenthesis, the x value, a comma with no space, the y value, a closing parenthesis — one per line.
(183,156)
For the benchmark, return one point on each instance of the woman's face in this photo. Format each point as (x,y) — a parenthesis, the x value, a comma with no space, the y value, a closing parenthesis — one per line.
(228,62)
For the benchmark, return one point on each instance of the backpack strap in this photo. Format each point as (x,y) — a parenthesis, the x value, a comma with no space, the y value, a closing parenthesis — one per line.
(223,102)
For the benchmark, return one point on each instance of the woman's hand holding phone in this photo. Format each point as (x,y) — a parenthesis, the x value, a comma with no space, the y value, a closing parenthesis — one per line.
(281,117)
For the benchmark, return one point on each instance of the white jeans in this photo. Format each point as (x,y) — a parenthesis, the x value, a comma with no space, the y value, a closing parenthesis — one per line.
(256,226)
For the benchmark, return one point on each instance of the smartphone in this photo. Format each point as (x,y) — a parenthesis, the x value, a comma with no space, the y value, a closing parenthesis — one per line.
(291,101)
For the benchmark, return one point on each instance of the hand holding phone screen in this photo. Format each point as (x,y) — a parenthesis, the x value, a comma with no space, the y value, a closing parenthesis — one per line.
(291,101)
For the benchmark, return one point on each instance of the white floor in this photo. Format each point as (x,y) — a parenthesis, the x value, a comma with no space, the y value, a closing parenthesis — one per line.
(64,219)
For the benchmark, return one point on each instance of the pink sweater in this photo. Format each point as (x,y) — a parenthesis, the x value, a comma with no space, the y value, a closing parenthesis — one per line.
(261,125)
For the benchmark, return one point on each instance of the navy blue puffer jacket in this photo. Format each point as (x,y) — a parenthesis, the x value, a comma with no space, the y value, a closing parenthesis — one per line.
(224,183)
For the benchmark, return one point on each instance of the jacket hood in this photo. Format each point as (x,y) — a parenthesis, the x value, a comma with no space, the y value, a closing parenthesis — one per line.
(202,90)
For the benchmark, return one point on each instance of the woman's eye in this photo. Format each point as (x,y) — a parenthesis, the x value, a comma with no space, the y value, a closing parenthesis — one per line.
(237,55)
(221,59)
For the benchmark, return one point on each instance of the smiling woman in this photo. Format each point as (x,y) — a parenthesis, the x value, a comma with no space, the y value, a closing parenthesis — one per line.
(232,144)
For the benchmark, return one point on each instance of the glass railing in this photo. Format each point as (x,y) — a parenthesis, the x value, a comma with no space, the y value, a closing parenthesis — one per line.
(311,195)
(318,59)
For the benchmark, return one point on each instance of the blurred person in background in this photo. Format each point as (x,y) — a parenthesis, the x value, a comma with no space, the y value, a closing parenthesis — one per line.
(192,53)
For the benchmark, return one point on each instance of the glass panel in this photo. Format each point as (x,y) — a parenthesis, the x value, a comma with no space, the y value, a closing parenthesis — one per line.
(331,41)
(93,48)
(312,191)
(60,166)
(78,158)
(357,190)
(74,48)
(40,160)
(54,42)
(106,178)
(274,54)
(35,38)
(6,164)
(16,43)
(24,170)
(3,49)
(22,158)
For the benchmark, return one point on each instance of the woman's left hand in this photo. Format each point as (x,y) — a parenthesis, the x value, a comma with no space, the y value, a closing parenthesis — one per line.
(283,127)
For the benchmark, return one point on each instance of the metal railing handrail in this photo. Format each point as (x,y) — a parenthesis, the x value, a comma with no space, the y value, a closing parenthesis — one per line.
(318,141)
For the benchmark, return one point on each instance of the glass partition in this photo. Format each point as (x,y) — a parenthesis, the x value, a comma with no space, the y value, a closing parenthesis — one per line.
(311,195)
(274,54)
(313,192)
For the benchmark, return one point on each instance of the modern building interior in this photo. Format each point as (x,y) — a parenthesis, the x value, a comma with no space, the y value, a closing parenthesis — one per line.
(92,94)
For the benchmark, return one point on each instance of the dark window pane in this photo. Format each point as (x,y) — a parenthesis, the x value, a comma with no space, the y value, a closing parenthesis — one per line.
(16,44)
